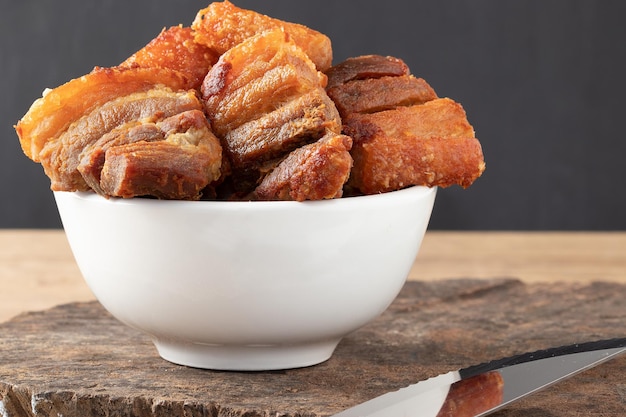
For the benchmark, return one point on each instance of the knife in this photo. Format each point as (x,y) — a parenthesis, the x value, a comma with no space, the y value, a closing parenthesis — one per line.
(482,389)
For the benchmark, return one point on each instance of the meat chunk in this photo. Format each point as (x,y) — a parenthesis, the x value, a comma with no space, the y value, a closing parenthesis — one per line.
(377,94)
(313,172)
(365,67)
(222,26)
(61,157)
(175,48)
(255,78)
(430,144)
(278,132)
(403,133)
(185,171)
(71,128)
(161,169)
(265,99)
(179,167)
(437,118)
(52,114)
(93,156)
(373,83)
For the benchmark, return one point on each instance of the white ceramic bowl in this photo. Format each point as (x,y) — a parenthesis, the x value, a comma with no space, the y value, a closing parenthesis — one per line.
(246,285)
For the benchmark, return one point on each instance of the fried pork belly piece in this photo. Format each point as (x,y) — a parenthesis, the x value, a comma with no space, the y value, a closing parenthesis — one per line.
(373,83)
(265,99)
(185,171)
(179,167)
(365,67)
(52,114)
(403,133)
(92,157)
(60,157)
(430,144)
(160,169)
(313,172)
(256,77)
(378,94)
(278,132)
(73,127)
(222,25)
(175,48)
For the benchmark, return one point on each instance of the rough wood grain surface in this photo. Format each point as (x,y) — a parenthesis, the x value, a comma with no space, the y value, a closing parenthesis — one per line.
(76,360)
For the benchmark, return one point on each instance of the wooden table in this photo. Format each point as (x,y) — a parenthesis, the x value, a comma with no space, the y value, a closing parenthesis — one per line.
(37,270)
(472,297)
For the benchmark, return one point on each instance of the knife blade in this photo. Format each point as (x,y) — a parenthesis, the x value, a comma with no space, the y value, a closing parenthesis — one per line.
(481,389)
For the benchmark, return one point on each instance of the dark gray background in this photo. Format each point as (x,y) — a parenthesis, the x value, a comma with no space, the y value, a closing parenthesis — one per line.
(543,83)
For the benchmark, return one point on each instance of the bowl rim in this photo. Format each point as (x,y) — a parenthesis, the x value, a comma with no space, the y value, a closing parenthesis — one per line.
(90,196)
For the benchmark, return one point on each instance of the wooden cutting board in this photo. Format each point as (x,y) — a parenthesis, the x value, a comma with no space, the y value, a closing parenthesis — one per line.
(77,360)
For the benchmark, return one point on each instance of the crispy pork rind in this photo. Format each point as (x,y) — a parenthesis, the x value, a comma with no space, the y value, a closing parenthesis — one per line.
(313,172)
(365,67)
(71,127)
(403,134)
(53,113)
(255,77)
(431,144)
(60,158)
(175,48)
(372,83)
(265,98)
(222,25)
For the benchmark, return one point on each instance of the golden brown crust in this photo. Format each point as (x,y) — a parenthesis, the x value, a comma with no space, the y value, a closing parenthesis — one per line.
(365,67)
(377,94)
(266,99)
(313,172)
(255,77)
(52,114)
(437,118)
(403,133)
(176,49)
(222,25)
(60,157)
(429,144)
(272,135)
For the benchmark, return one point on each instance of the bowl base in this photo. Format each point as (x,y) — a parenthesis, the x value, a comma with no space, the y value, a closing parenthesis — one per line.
(247,357)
